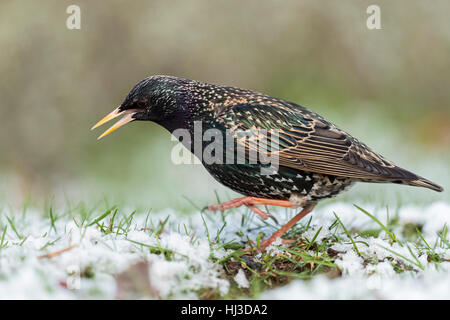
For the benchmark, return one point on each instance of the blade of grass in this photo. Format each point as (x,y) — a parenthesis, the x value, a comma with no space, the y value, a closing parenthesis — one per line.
(3,244)
(313,239)
(101,217)
(13,227)
(403,257)
(390,234)
(348,234)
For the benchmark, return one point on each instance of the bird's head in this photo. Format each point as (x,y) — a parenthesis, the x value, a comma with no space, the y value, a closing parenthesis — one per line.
(157,98)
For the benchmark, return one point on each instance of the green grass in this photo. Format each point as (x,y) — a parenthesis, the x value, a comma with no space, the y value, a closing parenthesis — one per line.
(301,259)
(305,259)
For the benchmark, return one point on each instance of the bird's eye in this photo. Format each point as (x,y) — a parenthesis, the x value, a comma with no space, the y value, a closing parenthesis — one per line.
(141,104)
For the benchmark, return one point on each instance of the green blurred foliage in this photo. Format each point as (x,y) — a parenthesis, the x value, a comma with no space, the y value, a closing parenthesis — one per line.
(55,83)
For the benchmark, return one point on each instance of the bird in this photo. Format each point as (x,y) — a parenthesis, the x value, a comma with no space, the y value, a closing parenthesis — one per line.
(316,160)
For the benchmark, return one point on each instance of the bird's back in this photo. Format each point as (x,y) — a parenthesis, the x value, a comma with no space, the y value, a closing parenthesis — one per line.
(307,142)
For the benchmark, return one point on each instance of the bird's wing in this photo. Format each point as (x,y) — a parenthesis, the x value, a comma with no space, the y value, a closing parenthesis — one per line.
(306,142)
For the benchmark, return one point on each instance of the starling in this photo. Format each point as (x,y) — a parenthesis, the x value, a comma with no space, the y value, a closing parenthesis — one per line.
(315,159)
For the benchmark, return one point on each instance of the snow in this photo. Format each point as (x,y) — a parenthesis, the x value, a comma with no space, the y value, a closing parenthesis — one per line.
(241,279)
(273,249)
(91,267)
(351,263)
(382,285)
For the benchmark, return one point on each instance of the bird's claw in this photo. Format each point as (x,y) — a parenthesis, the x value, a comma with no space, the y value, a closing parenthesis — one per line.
(246,201)
(206,208)
(273,218)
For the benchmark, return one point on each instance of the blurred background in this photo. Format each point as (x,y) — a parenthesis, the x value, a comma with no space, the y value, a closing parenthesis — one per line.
(388,87)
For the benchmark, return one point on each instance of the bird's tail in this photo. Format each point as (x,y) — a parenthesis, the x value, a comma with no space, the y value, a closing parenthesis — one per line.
(422,182)
(403,176)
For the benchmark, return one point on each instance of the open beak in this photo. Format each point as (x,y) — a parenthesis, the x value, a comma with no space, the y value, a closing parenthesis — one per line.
(116,113)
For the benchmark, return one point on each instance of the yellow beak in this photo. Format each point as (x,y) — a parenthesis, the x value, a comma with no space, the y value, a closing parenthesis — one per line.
(120,123)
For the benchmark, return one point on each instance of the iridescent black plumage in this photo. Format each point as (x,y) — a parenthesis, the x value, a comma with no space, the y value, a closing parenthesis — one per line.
(314,158)
(317,159)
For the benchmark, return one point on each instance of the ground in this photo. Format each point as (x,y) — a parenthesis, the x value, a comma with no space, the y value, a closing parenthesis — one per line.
(340,251)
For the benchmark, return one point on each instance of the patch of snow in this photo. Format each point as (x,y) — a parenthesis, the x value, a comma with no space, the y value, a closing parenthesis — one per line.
(272,250)
(311,233)
(86,270)
(350,263)
(241,279)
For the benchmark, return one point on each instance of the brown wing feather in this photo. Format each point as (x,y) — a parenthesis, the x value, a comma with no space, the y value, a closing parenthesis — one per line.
(329,150)
(310,143)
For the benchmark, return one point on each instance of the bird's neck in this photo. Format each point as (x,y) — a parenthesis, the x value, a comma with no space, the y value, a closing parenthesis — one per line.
(181,113)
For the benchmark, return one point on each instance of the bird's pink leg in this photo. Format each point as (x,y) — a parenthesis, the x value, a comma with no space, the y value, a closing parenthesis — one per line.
(251,203)
(248,201)
(263,245)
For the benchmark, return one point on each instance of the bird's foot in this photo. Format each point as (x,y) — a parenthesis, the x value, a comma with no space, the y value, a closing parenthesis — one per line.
(251,203)
(266,243)
(278,234)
